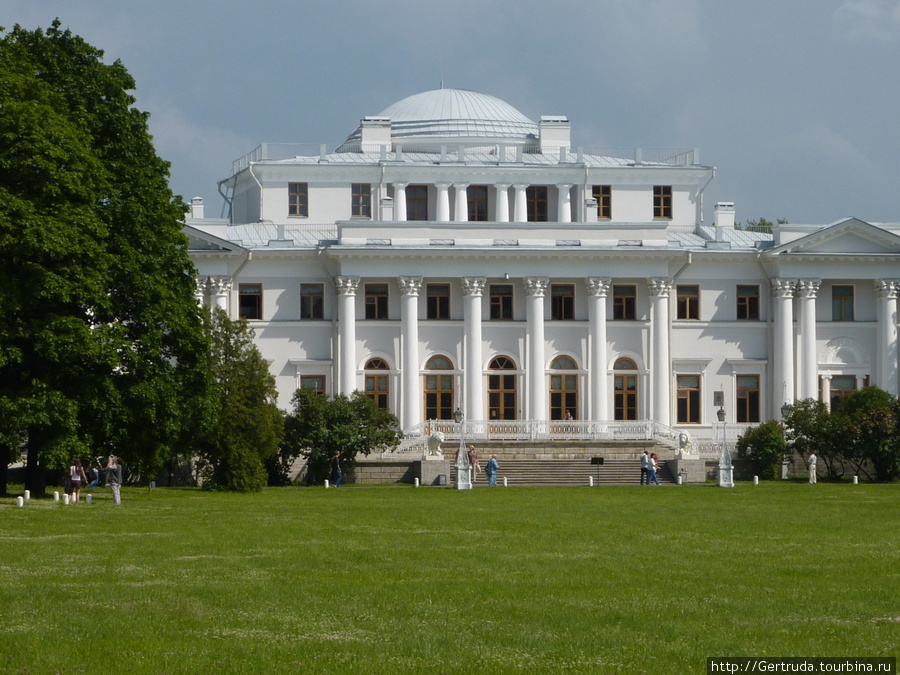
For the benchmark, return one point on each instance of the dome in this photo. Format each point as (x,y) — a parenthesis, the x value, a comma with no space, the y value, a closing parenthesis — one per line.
(456,115)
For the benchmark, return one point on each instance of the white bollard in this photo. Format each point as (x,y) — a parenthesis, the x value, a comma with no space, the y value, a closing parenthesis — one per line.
(417,482)
(56,496)
(756,480)
(27,495)
(678,480)
(90,498)
(505,484)
(66,499)
(20,502)
(856,480)
(327,484)
(590,481)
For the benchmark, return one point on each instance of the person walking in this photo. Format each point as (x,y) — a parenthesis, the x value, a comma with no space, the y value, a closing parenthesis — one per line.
(491,471)
(336,473)
(654,465)
(645,468)
(114,478)
(77,477)
(474,466)
(812,467)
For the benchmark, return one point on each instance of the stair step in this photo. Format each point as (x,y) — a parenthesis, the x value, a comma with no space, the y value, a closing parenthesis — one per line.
(571,472)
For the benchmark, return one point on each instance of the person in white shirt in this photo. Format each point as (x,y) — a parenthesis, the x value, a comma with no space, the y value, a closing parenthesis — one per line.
(812,468)
(645,468)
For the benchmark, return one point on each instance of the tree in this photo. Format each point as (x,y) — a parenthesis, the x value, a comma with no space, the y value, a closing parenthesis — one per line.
(763,447)
(318,427)
(810,427)
(249,425)
(101,342)
(761,225)
(869,419)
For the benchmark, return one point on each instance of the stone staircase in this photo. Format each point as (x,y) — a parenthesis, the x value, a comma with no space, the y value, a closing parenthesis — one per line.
(570,472)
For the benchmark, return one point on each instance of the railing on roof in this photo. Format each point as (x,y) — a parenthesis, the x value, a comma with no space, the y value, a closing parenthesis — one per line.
(274,152)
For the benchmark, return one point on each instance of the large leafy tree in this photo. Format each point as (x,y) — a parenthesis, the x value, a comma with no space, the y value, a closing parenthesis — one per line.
(763,447)
(250,426)
(869,420)
(318,427)
(810,427)
(101,342)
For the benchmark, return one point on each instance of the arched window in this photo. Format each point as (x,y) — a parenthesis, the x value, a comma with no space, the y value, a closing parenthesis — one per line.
(438,389)
(563,389)
(626,389)
(502,404)
(378,383)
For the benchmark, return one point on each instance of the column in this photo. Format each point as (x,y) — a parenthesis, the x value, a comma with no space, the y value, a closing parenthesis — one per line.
(220,290)
(826,391)
(564,204)
(520,215)
(400,201)
(461,203)
(807,290)
(782,345)
(201,291)
(501,199)
(660,367)
(887,291)
(346,289)
(443,202)
(598,291)
(410,390)
(535,287)
(473,290)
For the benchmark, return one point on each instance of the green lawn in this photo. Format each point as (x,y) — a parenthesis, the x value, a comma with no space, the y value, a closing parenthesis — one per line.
(604,579)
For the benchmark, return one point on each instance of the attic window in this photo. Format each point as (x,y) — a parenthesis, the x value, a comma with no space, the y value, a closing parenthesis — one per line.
(568,242)
(442,242)
(378,242)
(506,242)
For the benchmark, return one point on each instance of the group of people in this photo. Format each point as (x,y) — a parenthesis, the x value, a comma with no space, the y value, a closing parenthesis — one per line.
(113,469)
(490,471)
(649,467)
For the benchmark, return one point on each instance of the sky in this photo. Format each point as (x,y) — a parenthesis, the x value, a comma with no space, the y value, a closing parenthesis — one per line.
(795,102)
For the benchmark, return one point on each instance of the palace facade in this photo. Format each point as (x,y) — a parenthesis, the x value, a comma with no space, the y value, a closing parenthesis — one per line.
(452,254)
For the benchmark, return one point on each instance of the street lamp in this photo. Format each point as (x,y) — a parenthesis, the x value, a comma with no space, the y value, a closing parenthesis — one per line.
(726,470)
(786,460)
(463,476)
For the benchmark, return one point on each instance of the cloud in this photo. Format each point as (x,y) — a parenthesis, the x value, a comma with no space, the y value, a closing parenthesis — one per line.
(865,20)
(822,144)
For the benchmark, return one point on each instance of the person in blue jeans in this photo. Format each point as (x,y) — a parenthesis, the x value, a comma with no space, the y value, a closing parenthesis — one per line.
(336,473)
(654,464)
(491,470)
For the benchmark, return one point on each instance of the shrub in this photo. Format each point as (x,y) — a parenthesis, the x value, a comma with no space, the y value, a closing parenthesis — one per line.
(763,448)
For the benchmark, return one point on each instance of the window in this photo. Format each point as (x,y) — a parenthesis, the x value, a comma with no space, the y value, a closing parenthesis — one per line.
(417,202)
(502,389)
(312,301)
(562,302)
(625,390)
(438,301)
(378,383)
(250,301)
(688,399)
(662,201)
(361,200)
(477,196)
(842,303)
(376,301)
(536,200)
(438,389)
(624,303)
(603,195)
(748,303)
(688,302)
(298,199)
(841,385)
(563,388)
(314,382)
(502,302)
(747,387)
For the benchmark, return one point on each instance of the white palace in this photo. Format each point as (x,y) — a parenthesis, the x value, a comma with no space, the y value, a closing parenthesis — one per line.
(452,254)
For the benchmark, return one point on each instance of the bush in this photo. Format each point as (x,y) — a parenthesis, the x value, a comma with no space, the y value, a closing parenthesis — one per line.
(763,448)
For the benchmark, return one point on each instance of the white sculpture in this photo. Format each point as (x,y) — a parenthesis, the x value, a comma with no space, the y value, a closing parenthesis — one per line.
(685,444)
(434,445)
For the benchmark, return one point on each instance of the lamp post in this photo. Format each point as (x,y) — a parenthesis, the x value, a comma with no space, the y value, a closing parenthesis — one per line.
(726,470)
(786,461)
(463,476)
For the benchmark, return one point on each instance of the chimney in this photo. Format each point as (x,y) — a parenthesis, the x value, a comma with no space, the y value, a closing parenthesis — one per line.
(375,131)
(724,218)
(197,207)
(555,131)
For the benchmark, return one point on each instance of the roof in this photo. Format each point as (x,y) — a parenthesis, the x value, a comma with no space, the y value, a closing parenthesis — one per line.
(455,113)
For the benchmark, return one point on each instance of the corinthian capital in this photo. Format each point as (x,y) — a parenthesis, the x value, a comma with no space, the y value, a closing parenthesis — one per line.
(597,286)
(410,285)
(346,285)
(473,286)
(535,287)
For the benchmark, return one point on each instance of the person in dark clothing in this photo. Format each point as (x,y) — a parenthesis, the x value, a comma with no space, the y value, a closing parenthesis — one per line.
(336,473)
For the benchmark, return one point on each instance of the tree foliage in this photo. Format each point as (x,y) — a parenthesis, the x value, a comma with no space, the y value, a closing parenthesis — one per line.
(869,420)
(101,341)
(318,427)
(763,448)
(249,425)
(810,427)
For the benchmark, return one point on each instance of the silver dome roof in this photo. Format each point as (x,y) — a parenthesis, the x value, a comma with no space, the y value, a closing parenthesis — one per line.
(456,114)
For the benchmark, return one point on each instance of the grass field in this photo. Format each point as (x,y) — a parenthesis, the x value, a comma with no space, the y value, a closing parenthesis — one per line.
(386,580)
